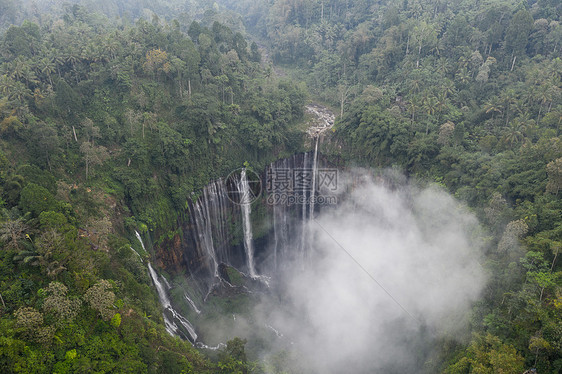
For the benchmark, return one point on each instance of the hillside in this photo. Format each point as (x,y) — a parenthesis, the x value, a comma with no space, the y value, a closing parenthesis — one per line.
(115,116)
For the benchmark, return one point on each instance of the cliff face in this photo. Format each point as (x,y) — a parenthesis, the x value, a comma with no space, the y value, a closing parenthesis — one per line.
(212,232)
(170,255)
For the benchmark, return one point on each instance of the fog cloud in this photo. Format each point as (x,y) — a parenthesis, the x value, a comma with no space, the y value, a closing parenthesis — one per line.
(390,270)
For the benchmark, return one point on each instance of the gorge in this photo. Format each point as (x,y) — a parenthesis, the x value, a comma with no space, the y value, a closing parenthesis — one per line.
(374,257)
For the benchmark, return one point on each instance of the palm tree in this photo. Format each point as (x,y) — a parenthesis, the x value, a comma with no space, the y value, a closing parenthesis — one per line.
(58,60)
(442,101)
(514,133)
(47,67)
(111,46)
(41,258)
(508,98)
(17,68)
(430,107)
(19,93)
(462,62)
(449,88)
(544,95)
(493,106)
(413,107)
(443,66)
(6,85)
(29,76)
(462,75)
(415,84)
(72,57)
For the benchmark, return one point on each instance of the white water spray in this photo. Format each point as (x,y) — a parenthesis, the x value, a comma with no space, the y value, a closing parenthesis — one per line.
(245,204)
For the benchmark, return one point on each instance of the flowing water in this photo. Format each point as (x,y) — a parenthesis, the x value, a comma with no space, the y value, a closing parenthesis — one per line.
(176,324)
(210,236)
(245,205)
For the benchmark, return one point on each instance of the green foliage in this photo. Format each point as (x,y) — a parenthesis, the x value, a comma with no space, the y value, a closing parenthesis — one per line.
(487,354)
(116,320)
(101,298)
(37,199)
(233,358)
(462,93)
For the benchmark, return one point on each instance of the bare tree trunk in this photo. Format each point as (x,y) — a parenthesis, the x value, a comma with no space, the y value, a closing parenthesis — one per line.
(513,63)
(74,132)
(553,262)
(3,303)
(408,45)
(181,86)
(48,161)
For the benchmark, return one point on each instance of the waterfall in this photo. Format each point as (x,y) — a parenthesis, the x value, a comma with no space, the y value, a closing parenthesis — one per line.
(171,316)
(303,216)
(245,204)
(188,299)
(216,200)
(140,240)
(288,187)
(132,249)
(313,192)
(210,223)
(166,282)
(277,208)
(204,235)
(162,294)
(208,239)
(280,213)
(314,172)
(279,335)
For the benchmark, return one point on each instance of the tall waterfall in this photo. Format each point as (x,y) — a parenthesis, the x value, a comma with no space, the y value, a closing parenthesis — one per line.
(217,203)
(280,218)
(205,236)
(314,176)
(219,236)
(176,324)
(293,207)
(312,201)
(208,233)
(304,229)
(245,205)
(219,231)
